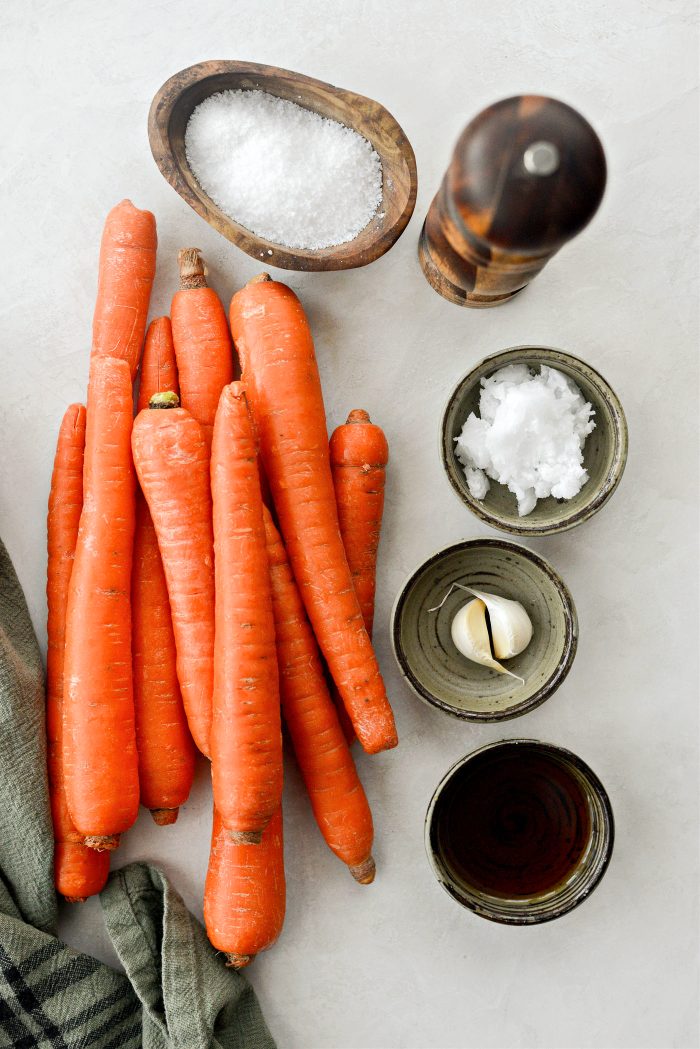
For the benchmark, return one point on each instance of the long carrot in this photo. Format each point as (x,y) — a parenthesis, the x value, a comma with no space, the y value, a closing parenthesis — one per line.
(127,268)
(359,455)
(244,892)
(99,744)
(337,797)
(172,463)
(272,336)
(202,341)
(79,872)
(246,739)
(163,740)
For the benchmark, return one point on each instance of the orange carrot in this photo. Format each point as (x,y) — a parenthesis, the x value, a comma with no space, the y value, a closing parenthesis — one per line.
(246,739)
(127,268)
(158,367)
(244,892)
(202,341)
(99,744)
(359,455)
(79,872)
(338,800)
(163,740)
(172,463)
(272,336)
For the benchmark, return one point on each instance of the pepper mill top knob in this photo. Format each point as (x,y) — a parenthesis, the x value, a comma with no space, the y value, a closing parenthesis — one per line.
(526,176)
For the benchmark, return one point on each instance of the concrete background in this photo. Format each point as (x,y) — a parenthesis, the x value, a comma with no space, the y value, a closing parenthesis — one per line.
(399,964)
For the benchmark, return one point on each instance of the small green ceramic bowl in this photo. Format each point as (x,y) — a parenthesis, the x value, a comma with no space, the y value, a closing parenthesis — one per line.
(604,453)
(438,672)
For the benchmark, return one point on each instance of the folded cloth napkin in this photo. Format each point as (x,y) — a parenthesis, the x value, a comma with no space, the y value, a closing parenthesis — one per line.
(175,992)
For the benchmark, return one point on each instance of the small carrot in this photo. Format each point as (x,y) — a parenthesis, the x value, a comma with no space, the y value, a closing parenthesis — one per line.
(163,740)
(359,455)
(202,341)
(272,336)
(337,797)
(126,270)
(246,740)
(79,872)
(158,367)
(172,463)
(99,744)
(244,892)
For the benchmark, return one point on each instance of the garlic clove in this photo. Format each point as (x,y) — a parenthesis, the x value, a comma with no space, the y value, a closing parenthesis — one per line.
(471,637)
(469,632)
(511,627)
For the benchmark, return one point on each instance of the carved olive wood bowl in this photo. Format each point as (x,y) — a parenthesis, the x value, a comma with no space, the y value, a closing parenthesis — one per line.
(173,105)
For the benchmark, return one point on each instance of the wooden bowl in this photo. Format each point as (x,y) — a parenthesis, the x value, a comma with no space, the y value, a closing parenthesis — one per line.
(437,671)
(604,453)
(177,98)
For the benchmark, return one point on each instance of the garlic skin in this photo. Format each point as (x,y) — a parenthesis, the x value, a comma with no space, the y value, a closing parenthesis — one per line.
(511,627)
(471,637)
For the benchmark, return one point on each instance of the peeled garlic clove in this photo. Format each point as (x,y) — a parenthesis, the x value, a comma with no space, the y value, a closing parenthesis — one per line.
(511,628)
(471,637)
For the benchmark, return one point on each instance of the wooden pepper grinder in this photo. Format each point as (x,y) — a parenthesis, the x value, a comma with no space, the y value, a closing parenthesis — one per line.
(527,175)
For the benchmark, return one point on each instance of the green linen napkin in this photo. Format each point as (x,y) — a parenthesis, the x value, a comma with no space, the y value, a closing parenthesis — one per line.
(175,993)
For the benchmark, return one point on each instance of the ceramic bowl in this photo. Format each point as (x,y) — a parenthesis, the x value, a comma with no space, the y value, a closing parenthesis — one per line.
(172,107)
(593,825)
(605,450)
(435,669)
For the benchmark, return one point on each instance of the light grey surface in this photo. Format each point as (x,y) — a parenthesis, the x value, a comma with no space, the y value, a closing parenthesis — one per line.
(399,964)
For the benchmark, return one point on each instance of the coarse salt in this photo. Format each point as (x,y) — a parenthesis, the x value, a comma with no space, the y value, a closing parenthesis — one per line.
(530,436)
(285,173)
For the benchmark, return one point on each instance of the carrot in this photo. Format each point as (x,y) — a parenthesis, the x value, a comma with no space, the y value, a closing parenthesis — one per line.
(272,336)
(244,892)
(79,872)
(359,455)
(172,464)
(158,367)
(246,738)
(202,341)
(163,740)
(127,268)
(99,744)
(337,797)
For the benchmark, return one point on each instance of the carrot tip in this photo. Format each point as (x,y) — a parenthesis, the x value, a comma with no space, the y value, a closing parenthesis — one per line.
(261,277)
(164,399)
(193,271)
(75,899)
(358,415)
(164,817)
(245,837)
(238,961)
(364,872)
(102,842)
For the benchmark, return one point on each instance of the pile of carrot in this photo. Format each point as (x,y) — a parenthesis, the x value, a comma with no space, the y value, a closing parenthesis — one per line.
(211,575)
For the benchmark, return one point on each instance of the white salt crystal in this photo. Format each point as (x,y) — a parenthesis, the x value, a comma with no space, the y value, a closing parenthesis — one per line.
(285,173)
(529,436)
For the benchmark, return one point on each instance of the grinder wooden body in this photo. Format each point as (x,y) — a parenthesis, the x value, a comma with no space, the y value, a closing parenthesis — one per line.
(526,176)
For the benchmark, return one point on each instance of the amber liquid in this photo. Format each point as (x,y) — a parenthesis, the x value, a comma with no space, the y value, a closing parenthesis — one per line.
(512,822)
